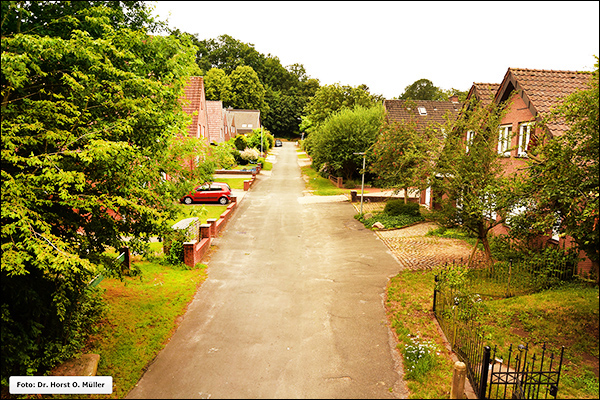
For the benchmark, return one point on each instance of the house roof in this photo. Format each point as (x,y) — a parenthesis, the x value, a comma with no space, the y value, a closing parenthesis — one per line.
(484,92)
(245,120)
(424,112)
(541,90)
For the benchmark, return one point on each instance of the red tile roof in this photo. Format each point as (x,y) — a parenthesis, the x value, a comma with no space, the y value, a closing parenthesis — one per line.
(542,90)
(484,92)
(399,110)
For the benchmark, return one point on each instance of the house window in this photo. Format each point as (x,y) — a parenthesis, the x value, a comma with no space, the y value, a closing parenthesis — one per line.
(422,110)
(470,136)
(249,125)
(504,137)
(524,136)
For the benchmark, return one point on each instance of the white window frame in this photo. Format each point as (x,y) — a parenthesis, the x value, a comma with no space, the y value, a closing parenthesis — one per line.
(504,137)
(524,137)
(422,110)
(469,141)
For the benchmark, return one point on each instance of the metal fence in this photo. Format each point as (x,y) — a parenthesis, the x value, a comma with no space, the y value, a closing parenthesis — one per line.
(493,374)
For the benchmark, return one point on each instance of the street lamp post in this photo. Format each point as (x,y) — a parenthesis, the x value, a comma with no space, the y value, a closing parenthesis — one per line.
(362,185)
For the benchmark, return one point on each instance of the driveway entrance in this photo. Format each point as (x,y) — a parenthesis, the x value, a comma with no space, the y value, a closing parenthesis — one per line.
(292,307)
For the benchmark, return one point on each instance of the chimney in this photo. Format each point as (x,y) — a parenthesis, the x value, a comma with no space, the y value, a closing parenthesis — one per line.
(454,98)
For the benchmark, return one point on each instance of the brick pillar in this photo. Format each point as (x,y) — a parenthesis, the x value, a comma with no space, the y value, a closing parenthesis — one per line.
(353,196)
(205,231)
(189,253)
(213,226)
(233,199)
(246,186)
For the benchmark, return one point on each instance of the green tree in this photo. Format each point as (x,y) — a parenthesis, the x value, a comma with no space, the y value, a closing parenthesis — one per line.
(217,86)
(479,195)
(349,131)
(247,93)
(562,181)
(89,120)
(402,155)
(423,89)
(332,98)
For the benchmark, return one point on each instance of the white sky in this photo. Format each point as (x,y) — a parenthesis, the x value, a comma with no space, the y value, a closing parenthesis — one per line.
(389,45)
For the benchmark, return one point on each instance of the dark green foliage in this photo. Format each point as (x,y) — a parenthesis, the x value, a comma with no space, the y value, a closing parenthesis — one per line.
(398,207)
(33,339)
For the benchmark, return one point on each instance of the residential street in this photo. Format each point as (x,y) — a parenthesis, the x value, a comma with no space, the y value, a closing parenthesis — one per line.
(292,307)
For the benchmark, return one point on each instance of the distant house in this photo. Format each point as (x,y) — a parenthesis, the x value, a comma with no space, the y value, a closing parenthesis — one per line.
(426,113)
(194,104)
(245,121)
(534,93)
(217,122)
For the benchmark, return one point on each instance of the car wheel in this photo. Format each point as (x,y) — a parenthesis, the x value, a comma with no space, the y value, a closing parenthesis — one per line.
(188,200)
(223,200)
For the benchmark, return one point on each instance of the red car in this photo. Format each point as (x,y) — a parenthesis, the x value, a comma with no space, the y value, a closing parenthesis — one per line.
(209,192)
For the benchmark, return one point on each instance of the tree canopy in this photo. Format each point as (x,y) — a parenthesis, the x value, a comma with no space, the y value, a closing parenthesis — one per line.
(423,89)
(90,113)
(349,131)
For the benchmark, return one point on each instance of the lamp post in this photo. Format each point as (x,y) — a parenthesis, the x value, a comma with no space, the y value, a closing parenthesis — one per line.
(362,185)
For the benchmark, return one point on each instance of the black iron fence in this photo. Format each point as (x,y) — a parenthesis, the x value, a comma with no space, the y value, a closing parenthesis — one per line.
(493,373)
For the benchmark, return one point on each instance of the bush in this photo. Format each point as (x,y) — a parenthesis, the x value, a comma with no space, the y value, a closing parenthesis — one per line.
(250,154)
(398,207)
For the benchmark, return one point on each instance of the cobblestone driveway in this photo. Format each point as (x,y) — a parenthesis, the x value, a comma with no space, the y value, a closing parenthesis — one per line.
(413,249)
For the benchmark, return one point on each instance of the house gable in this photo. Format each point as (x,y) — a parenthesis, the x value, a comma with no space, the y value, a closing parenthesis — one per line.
(424,112)
(542,90)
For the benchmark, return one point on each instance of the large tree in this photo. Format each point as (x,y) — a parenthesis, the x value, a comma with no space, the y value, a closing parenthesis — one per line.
(246,90)
(402,155)
(217,85)
(339,137)
(424,89)
(329,99)
(90,110)
(477,194)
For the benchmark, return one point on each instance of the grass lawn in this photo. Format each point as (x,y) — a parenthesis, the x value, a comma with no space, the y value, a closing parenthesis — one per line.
(321,186)
(143,312)
(565,316)
(234,183)
(202,211)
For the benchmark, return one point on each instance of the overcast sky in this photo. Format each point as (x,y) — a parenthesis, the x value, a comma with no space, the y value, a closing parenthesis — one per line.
(389,45)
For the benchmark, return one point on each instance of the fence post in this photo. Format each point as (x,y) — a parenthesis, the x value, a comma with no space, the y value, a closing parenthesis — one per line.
(485,368)
(436,279)
(457,391)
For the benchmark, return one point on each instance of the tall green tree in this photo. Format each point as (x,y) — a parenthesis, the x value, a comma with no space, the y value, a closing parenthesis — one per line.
(562,180)
(424,89)
(329,99)
(90,113)
(478,195)
(217,85)
(247,92)
(349,131)
(403,155)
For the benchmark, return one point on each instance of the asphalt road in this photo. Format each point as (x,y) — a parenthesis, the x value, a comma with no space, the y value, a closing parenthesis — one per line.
(292,307)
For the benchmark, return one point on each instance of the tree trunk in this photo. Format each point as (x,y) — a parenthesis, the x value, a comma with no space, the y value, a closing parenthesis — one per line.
(405,195)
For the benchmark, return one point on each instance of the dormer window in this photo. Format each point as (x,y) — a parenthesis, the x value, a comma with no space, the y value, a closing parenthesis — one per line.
(422,110)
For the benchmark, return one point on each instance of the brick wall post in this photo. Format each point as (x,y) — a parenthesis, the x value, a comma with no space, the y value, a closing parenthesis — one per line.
(204,231)
(189,253)
(213,226)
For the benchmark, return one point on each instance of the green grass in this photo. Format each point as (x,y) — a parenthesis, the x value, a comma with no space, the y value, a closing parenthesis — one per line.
(142,315)
(321,186)
(565,316)
(202,211)
(234,183)
(389,221)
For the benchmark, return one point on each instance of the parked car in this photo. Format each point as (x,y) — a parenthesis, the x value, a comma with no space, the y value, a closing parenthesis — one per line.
(209,192)
(278,143)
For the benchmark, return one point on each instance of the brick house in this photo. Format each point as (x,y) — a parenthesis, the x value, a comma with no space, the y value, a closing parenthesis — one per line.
(534,93)
(425,113)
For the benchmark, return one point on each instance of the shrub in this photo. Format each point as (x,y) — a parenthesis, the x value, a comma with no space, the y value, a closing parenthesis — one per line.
(398,207)
(250,154)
